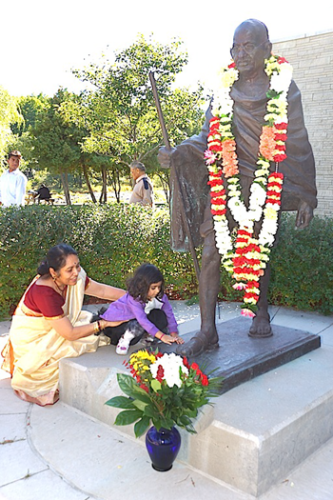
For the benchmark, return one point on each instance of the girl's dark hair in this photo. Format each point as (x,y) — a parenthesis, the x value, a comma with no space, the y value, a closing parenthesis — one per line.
(144,276)
(56,258)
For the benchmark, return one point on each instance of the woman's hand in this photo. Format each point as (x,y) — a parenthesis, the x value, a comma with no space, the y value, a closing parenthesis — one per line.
(102,291)
(65,328)
(104,323)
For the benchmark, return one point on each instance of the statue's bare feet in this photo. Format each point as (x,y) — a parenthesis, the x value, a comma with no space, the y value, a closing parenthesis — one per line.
(199,343)
(260,327)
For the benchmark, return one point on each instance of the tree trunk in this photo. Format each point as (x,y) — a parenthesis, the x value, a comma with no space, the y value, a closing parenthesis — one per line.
(115,181)
(86,176)
(64,180)
(165,180)
(103,197)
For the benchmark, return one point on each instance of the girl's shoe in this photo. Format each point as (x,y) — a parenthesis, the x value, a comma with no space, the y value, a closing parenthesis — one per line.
(124,343)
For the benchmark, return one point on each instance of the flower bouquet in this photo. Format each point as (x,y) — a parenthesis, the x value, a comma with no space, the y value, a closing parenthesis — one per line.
(164,390)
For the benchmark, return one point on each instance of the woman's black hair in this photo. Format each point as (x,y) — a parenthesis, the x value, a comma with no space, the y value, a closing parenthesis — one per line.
(144,276)
(56,258)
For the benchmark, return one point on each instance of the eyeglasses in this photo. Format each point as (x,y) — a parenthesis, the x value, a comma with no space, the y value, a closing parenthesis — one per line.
(249,48)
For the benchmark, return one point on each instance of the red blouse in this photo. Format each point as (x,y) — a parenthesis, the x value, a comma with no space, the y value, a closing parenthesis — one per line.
(45,300)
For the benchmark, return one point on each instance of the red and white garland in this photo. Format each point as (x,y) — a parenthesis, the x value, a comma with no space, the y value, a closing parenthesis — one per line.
(246,257)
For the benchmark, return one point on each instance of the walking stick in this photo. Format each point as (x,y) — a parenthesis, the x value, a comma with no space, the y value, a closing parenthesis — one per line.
(167,145)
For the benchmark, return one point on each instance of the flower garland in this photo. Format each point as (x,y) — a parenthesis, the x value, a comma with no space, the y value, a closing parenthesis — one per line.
(246,259)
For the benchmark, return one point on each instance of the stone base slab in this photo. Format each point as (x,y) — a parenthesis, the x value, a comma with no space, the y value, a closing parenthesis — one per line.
(241,357)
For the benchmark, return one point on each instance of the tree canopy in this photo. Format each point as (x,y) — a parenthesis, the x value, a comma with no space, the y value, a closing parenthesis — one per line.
(104,128)
(9,114)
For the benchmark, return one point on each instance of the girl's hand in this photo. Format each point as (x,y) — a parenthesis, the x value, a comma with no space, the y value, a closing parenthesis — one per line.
(179,340)
(167,339)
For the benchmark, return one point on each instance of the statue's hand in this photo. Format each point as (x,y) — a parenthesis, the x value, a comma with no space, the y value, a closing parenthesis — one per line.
(304,215)
(164,157)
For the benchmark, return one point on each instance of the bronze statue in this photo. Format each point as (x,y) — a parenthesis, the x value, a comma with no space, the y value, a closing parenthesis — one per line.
(251,46)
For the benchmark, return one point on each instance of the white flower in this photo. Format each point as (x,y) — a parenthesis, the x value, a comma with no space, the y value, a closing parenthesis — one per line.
(281,82)
(172,365)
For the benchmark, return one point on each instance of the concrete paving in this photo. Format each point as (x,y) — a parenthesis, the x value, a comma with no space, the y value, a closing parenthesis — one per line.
(60,453)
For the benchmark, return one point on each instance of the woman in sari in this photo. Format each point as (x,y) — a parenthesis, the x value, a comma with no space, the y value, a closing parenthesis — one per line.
(49,325)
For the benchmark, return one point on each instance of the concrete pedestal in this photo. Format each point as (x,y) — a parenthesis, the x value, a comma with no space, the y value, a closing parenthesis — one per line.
(256,432)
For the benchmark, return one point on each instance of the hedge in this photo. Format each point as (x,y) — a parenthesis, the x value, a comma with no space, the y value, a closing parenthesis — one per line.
(112,240)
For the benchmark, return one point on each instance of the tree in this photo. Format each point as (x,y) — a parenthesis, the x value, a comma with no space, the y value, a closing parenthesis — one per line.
(9,114)
(119,113)
(57,143)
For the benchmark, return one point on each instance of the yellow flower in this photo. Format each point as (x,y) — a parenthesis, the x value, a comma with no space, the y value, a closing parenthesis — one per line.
(270,213)
(228,77)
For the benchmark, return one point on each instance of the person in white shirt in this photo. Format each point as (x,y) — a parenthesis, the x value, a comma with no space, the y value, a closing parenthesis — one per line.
(13,182)
(143,190)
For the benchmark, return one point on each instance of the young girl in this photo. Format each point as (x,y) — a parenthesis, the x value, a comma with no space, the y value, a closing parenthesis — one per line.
(144,308)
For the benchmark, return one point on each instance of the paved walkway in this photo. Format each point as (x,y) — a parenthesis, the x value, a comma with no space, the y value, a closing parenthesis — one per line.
(77,449)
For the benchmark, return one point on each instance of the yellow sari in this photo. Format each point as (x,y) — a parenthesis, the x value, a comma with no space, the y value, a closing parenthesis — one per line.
(34,349)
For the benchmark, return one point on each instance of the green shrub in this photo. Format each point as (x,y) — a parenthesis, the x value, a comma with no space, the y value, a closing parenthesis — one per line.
(302,266)
(112,240)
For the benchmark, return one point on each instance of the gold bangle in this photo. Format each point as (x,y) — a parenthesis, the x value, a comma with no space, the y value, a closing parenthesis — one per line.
(96,327)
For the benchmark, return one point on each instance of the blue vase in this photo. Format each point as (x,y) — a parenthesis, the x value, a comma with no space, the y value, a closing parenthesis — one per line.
(163,447)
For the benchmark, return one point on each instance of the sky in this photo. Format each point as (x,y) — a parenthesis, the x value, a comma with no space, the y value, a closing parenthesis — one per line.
(42,41)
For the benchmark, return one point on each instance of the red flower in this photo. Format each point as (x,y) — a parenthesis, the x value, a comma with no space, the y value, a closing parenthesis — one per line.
(239,261)
(272,193)
(232,65)
(251,295)
(218,201)
(280,137)
(215,182)
(204,380)
(276,174)
(219,212)
(253,284)
(186,363)
(279,158)
(274,183)
(194,366)
(282,60)
(280,147)
(144,387)
(245,233)
(281,126)
(217,193)
(214,123)
(215,147)
(272,201)
(160,373)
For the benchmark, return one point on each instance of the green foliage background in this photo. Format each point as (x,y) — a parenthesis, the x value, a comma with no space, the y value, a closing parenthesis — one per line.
(112,240)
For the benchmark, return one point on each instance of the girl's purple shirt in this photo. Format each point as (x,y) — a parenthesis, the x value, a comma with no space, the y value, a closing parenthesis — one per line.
(127,308)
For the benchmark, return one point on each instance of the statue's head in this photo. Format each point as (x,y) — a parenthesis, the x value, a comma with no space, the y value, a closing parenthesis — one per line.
(251,46)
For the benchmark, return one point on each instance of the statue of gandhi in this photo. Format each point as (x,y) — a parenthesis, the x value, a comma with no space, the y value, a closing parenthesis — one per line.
(251,46)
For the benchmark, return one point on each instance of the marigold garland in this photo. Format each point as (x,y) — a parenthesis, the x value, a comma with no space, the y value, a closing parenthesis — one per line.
(246,259)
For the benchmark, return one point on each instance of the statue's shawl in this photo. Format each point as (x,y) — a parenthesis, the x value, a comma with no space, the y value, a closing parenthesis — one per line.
(188,163)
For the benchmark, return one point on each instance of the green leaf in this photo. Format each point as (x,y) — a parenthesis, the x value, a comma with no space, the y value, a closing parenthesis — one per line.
(140,405)
(130,387)
(127,417)
(155,385)
(120,402)
(141,426)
